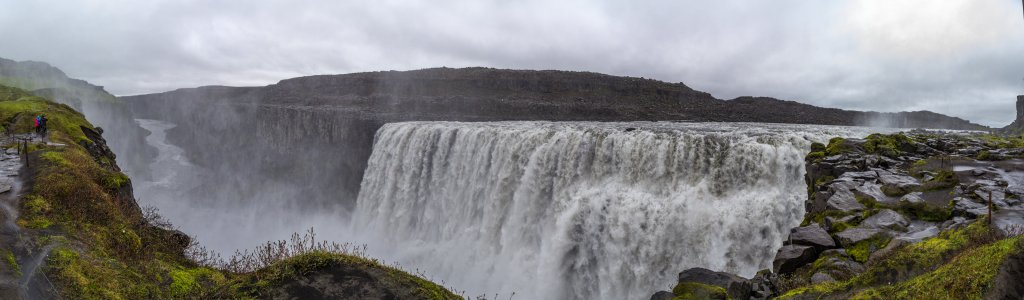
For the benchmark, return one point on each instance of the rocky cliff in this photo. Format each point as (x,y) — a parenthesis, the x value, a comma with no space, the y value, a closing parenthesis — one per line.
(920,215)
(494,94)
(1017,127)
(286,126)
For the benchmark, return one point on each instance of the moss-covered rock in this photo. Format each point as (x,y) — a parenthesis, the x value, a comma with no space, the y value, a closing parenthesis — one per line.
(695,290)
(322,275)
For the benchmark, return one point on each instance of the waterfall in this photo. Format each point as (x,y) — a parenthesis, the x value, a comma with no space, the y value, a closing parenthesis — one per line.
(583,210)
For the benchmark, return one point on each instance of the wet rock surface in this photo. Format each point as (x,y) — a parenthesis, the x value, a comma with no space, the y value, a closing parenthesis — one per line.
(812,235)
(870,198)
(736,287)
(791,257)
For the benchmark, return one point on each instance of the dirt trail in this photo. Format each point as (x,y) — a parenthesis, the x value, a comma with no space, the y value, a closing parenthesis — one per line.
(24,279)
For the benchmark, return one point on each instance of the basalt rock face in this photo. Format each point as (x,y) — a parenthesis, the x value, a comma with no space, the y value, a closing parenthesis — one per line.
(492,94)
(290,124)
(1017,127)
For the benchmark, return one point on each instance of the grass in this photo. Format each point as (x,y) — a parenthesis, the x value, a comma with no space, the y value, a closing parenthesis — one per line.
(259,283)
(11,262)
(695,290)
(886,144)
(967,276)
(942,257)
(862,250)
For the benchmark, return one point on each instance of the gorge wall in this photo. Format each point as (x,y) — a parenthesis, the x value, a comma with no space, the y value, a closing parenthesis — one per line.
(324,125)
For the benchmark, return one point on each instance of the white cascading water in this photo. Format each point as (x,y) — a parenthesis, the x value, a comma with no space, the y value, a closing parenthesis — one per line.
(583,210)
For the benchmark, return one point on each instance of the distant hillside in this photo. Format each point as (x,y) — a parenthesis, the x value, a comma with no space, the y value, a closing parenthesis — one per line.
(102,108)
(494,94)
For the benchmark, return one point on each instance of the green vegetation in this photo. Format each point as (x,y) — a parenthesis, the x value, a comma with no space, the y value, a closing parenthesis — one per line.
(967,276)
(1002,142)
(839,146)
(886,144)
(259,283)
(105,248)
(926,212)
(694,290)
(959,264)
(11,261)
(943,179)
(863,249)
(984,155)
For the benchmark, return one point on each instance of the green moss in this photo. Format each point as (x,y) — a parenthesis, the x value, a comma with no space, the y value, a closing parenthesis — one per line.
(920,163)
(11,262)
(925,211)
(817,147)
(889,145)
(815,156)
(984,155)
(862,250)
(258,283)
(967,276)
(812,291)
(695,290)
(838,146)
(820,217)
(115,180)
(943,179)
(183,284)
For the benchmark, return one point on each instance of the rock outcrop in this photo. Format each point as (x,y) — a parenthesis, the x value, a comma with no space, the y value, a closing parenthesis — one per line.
(873,202)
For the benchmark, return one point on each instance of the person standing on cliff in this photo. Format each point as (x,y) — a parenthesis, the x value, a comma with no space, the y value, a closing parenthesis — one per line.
(42,125)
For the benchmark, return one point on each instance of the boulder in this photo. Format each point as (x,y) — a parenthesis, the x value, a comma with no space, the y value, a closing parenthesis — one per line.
(821,277)
(663,295)
(737,287)
(811,235)
(897,185)
(966,207)
(764,285)
(854,235)
(874,192)
(912,198)
(889,248)
(838,265)
(831,222)
(817,203)
(865,175)
(791,257)
(886,219)
(844,201)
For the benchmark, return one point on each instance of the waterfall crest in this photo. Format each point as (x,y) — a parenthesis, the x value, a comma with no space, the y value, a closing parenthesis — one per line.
(583,210)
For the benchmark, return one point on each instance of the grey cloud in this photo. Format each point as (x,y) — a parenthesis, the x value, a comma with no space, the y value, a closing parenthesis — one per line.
(959,57)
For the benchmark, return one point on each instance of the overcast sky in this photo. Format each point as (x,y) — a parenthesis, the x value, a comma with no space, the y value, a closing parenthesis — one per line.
(958,57)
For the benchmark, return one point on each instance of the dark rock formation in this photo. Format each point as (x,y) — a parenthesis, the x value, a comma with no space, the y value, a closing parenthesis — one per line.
(791,257)
(736,287)
(855,235)
(811,235)
(663,295)
(886,219)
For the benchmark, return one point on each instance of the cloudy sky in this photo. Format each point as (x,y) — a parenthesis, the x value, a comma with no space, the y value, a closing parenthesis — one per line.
(958,57)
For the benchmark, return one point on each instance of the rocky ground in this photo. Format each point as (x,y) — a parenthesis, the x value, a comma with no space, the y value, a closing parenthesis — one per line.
(910,215)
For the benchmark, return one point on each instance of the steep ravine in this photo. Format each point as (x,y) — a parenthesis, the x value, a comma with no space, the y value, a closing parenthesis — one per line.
(80,234)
